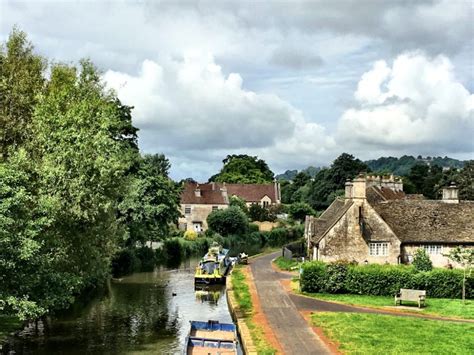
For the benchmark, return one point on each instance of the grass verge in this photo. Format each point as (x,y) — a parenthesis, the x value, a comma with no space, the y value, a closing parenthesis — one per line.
(286,264)
(244,301)
(8,325)
(358,333)
(443,307)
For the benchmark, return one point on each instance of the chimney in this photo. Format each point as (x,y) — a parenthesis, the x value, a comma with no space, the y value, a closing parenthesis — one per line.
(197,191)
(348,189)
(277,191)
(213,185)
(358,187)
(224,193)
(450,194)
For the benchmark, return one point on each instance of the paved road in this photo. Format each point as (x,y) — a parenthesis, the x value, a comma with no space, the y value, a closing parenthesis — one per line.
(292,331)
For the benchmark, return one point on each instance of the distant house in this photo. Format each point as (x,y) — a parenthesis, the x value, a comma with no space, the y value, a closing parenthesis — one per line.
(199,200)
(377,222)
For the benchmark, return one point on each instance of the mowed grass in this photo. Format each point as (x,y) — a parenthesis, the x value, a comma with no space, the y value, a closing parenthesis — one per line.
(379,334)
(8,325)
(244,300)
(286,264)
(443,307)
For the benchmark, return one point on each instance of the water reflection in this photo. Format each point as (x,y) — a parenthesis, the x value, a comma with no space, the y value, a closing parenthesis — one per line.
(142,313)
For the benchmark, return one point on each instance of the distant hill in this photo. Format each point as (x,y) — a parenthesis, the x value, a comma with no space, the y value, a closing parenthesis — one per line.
(290,174)
(401,166)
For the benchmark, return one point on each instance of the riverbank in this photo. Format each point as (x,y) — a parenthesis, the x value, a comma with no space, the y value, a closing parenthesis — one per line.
(8,327)
(256,335)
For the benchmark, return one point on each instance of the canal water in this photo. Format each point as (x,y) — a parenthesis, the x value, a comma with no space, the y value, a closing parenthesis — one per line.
(144,313)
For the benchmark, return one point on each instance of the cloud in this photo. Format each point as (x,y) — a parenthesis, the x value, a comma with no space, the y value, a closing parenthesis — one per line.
(296,58)
(417,104)
(190,104)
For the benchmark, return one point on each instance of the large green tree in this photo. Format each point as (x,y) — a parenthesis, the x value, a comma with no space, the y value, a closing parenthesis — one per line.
(244,169)
(152,201)
(21,81)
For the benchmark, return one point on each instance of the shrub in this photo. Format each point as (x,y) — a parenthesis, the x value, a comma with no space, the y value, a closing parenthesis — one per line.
(259,213)
(336,276)
(253,228)
(124,262)
(421,261)
(278,236)
(313,277)
(299,211)
(228,221)
(190,235)
(382,280)
(147,258)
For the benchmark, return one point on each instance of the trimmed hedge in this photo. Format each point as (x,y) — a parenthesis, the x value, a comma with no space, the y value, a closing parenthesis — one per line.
(382,280)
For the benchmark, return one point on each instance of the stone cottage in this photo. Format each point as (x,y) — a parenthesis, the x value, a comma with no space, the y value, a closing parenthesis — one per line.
(199,200)
(376,222)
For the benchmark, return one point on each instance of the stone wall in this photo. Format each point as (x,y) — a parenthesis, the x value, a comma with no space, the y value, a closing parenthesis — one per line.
(198,213)
(438,260)
(346,240)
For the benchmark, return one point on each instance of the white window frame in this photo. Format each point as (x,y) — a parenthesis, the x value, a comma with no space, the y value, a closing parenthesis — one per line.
(378,248)
(433,249)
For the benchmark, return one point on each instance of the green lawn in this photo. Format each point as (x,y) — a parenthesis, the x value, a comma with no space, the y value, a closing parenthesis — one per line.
(286,264)
(244,301)
(434,306)
(8,325)
(378,334)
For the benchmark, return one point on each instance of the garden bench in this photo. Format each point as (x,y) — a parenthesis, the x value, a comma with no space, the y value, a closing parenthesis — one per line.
(418,296)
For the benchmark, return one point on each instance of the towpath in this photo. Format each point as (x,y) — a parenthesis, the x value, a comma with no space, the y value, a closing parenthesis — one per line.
(283,309)
(292,331)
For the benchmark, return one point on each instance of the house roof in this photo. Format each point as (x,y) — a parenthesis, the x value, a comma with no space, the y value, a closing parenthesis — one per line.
(252,192)
(208,196)
(425,221)
(377,194)
(211,193)
(329,217)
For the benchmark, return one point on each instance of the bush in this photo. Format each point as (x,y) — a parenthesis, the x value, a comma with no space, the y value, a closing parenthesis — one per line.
(313,277)
(299,210)
(147,258)
(190,235)
(125,262)
(278,237)
(382,280)
(421,261)
(253,228)
(228,221)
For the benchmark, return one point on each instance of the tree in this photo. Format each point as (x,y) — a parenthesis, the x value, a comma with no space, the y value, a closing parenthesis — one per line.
(422,261)
(229,221)
(299,210)
(244,169)
(465,257)
(151,203)
(260,213)
(466,181)
(21,82)
(236,201)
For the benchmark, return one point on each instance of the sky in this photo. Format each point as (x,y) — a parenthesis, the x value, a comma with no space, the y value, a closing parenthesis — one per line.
(295,83)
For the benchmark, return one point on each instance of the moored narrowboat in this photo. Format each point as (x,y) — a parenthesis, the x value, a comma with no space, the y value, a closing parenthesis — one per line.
(211,337)
(214,266)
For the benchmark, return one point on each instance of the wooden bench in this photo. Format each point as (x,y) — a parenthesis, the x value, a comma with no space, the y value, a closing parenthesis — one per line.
(418,296)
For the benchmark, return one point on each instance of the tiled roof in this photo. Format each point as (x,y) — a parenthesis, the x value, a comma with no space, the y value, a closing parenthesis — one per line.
(208,195)
(424,221)
(329,217)
(252,192)
(211,192)
(377,194)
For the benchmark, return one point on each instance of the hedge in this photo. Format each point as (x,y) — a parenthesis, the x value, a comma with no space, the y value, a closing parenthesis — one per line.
(382,280)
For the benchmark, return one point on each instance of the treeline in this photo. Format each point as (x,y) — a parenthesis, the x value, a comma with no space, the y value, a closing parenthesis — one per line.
(74,189)
(328,183)
(403,165)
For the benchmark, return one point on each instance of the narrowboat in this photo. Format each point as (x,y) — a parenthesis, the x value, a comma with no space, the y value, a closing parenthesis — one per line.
(214,266)
(211,337)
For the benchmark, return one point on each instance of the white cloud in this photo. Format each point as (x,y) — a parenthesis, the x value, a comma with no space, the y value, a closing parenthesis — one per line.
(190,104)
(417,104)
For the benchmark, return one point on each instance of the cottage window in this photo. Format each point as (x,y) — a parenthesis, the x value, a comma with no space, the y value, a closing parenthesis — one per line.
(266,204)
(215,208)
(378,249)
(187,210)
(433,249)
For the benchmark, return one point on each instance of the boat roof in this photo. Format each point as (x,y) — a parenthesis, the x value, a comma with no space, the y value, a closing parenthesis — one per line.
(213,325)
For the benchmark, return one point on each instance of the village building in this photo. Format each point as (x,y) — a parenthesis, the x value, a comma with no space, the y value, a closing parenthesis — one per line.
(199,200)
(376,222)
